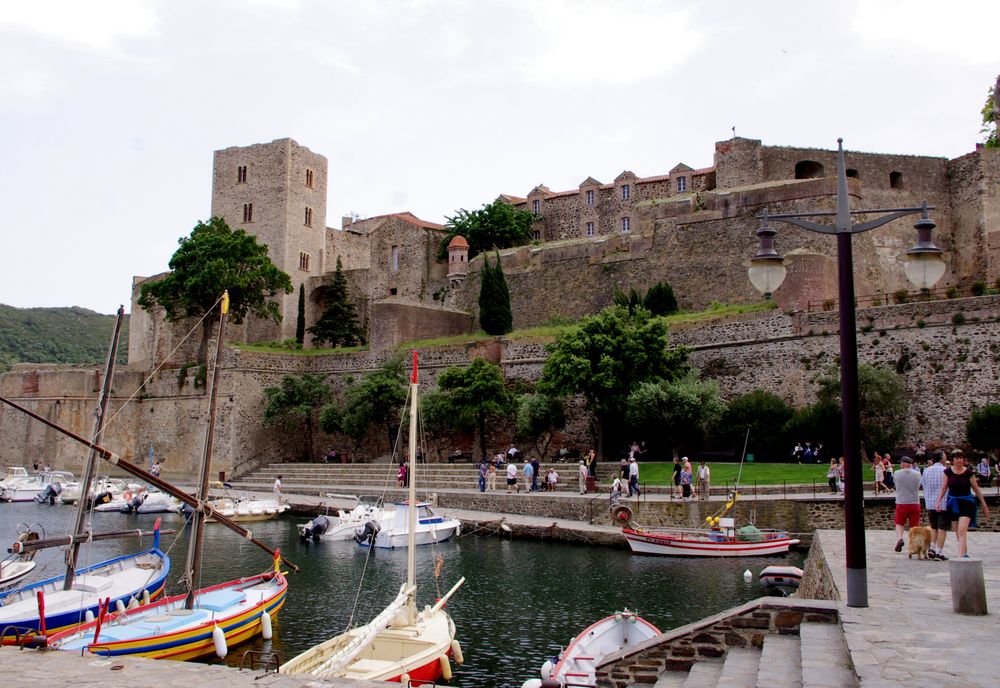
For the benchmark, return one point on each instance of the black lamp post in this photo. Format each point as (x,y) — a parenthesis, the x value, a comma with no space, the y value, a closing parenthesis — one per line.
(924,266)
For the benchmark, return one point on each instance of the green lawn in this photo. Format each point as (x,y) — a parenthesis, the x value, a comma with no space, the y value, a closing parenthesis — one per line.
(661,473)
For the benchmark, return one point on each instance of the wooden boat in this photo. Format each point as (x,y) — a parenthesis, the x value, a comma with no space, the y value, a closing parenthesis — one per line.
(576,665)
(781,576)
(13,571)
(400,644)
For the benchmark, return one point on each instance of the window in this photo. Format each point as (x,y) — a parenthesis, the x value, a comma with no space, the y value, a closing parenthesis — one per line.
(626,192)
(808,169)
(309,178)
(682,184)
(241,174)
(393,291)
(626,224)
(536,206)
(895,180)
(590,229)
(304,261)
(248,212)
(590,197)
(394,259)
(536,235)
(309,217)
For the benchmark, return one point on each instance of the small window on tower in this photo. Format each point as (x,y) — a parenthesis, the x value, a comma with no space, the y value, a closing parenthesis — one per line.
(590,197)
(626,192)
(394,259)
(590,229)
(536,235)
(241,174)
(309,217)
(626,224)
(536,206)
(248,212)
(682,184)
(304,261)
(309,178)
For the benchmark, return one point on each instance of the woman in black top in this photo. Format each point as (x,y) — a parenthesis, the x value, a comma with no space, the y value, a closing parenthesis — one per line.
(960,484)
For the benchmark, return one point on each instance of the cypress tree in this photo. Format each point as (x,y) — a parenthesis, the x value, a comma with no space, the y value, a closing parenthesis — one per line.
(339,323)
(660,299)
(495,316)
(300,323)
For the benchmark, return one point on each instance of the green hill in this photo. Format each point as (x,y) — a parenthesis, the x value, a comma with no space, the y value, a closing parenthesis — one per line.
(57,335)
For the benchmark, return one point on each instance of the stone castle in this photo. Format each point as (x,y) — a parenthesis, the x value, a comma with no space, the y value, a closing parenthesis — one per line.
(694,228)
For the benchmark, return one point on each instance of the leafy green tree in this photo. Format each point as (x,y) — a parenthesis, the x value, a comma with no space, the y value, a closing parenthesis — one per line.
(300,321)
(494,300)
(629,300)
(440,420)
(539,417)
(495,225)
(882,402)
(207,263)
(982,430)
(476,391)
(819,422)
(295,405)
(762,413)
(376,401)
(605,358)
(991,116)
(339,323)
(660,299)
(678,412)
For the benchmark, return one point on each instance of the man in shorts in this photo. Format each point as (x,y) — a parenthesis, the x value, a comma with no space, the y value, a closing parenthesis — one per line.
(940,521)
(511,476)
(907,500)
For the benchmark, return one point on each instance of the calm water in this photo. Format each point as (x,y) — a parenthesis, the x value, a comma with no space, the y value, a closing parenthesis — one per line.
(522,601)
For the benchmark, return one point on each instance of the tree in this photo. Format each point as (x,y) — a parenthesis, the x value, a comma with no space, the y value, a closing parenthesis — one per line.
(678,411)
(494,300)
(882,402)
(629,300)
(539,417)
(991,117)
(820,422)
(294,405)
(375,401)
(300,321)
(605,358)
(210,261)
(495,225)
(982,430)
(339,323)
(476,391)
(762,413)
(440,420)
(660,299)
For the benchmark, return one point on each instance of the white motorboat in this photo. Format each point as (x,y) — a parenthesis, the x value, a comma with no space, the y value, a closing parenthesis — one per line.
(14,475)
(577,664)
(247,510)
(346,523)
(104,489)
(142,502)
(27,489)
(383,525)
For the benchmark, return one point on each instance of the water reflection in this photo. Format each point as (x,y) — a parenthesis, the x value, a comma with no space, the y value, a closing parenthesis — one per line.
(522,600)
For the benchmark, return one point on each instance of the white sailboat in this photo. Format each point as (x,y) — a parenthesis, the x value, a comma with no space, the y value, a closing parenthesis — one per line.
(400,644)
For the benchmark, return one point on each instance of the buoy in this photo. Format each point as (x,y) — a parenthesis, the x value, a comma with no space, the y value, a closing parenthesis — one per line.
(747,576)
(219,640)
(547,667)
(708,520)
(445,667)
(145,596)
(265,625)
(404,679)
(456,652)
(120,606)
(133,603)
(88,616)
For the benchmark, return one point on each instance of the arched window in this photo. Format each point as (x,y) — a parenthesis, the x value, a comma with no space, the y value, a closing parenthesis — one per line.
(808,169)
(896,180)
(853,174)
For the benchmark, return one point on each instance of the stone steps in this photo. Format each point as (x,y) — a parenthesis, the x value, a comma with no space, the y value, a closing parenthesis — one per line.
(825,660)
(780,662)
(703,675)
(739,670)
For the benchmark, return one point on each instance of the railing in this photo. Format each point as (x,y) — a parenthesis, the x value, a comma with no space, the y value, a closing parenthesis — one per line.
(260,658)
(898,298)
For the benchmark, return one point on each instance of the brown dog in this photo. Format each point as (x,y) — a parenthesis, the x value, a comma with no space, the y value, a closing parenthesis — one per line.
(920,542)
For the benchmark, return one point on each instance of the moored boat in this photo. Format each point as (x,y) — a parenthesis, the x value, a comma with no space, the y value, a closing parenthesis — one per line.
(781,576)
(248,510)
(27,489)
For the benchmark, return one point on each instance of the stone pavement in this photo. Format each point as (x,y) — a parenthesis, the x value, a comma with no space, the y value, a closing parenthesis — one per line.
(909,636)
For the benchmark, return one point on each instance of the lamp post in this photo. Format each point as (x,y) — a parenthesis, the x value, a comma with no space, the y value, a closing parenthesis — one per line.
(923,265)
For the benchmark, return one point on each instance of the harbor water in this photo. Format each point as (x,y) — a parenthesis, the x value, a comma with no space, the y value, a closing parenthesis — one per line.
(522,600)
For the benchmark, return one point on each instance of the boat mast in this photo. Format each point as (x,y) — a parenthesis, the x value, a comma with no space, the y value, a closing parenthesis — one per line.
(89,467)
(411,539)
(193,564)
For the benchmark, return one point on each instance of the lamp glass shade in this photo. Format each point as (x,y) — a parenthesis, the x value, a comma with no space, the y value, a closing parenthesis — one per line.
(924,268)
(766,274)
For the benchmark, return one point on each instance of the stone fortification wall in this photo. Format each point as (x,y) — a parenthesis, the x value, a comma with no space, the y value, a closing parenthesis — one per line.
(394,322)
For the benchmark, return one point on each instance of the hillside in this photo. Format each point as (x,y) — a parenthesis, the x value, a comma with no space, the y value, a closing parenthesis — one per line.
(57,335)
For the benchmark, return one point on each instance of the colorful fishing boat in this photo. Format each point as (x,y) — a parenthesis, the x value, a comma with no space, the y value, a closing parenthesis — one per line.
(400,644)
(577,664)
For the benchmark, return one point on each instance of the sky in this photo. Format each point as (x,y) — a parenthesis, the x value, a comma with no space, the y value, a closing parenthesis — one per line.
(110,110)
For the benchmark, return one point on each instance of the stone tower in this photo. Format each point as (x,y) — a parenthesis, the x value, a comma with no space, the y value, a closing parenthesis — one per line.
(458,260)
(277,192)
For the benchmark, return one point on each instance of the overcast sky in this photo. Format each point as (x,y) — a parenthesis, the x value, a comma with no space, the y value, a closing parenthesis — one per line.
(110,109)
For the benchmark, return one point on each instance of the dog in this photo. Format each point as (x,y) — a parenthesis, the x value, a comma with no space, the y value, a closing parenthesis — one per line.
(920,542)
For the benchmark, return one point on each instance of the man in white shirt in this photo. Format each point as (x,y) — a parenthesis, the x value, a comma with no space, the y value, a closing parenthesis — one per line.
(633,477)
(277,489)
(704,478)
(511,476)
(940,521)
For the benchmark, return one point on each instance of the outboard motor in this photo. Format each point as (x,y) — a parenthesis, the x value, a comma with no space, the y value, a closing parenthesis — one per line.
(103,498)
(134,505)
(368,533)
(314,528)
(49,494)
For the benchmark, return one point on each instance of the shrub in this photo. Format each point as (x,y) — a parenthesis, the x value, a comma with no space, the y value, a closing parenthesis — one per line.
(900,296)
(921,323)
(952,292)
(979,288)
(958,319)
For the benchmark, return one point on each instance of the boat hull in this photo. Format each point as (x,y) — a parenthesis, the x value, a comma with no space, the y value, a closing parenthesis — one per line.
(577,663)
(695,545)
(781,576)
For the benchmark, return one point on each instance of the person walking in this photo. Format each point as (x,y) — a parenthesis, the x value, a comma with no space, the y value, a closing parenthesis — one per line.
(676,491)
(583,474)
(907,499)
(277,488)
(511,477)
(633,477)
(879,469)
(960,484)
(833,475)
(686,479)
(931,482)
(483,471)
(491,477)
(536,469)
(704,478)
(528,473)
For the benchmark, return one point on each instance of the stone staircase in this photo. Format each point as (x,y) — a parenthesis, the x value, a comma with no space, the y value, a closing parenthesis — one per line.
(762,644)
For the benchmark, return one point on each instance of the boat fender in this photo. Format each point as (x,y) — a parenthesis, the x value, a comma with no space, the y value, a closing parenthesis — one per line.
(219,640)
(120,606)
(266,631)
(404,679)
(547,666)
(621,513)
(456,652)
(133,603)
(747,576)
(145,596)
(532,683)
(445,667)
(88,616)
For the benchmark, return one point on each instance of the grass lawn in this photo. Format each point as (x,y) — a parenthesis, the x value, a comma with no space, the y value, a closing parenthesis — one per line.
(661,473)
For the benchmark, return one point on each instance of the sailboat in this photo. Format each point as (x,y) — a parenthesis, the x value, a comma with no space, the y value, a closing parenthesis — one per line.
(28,613)
(198,622)
(400,644)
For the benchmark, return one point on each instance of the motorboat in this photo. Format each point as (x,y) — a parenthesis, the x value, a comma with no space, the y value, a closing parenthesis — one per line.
(142,501)
(346,523)
(104,489)
(248,510)
(27,489)
(577,664)
(372,523)
(401,644)
(14,475)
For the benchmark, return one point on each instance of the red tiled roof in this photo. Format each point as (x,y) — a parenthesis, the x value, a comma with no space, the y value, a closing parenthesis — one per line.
(405,216)
(458,242)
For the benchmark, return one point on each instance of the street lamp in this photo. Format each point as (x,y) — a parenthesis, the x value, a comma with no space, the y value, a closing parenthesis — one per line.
(924,266)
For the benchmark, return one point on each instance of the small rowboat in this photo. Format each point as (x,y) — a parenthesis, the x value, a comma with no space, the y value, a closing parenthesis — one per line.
(711,543)
(781,576)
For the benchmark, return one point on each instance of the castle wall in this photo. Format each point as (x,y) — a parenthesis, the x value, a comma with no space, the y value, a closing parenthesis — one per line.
(394,322)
